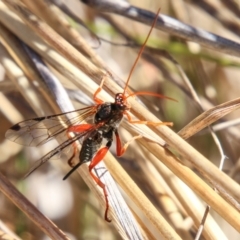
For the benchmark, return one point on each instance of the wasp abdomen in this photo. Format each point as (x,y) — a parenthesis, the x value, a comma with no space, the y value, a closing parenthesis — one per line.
(90,146)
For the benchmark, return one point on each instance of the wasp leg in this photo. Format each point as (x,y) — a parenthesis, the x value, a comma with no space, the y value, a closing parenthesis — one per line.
(147,122)
(98,158)
(79,128)
(121,150)
(75,129)
(95,98)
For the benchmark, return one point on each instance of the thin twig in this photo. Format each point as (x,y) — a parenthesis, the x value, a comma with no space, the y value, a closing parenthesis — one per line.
(30,210)
(167,24)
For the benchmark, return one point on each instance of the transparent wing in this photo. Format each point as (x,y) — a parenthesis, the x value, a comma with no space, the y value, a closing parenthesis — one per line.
(37,131)
(59,149)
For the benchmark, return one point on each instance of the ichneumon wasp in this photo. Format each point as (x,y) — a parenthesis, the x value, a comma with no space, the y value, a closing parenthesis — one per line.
(106,119)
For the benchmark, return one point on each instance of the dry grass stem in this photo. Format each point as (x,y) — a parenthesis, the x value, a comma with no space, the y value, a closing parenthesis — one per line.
(54,17)
(166,179)
(19,200)
(208,117)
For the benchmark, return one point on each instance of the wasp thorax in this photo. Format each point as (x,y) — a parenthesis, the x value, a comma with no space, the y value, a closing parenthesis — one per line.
(104,112)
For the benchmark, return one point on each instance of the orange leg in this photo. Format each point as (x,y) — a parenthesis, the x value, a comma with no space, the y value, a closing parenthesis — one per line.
(79,128)
(147,122)
(98,158)
(95,98)
(76,129)
(70,163)
(121,150)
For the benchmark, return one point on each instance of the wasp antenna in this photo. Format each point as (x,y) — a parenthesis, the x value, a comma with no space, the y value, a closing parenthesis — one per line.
(140,52)
(151,94)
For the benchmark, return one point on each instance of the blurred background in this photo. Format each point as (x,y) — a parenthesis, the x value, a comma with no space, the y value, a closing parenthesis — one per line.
(213,75)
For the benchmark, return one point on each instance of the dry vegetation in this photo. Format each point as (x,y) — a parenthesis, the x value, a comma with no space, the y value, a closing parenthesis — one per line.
(167,188)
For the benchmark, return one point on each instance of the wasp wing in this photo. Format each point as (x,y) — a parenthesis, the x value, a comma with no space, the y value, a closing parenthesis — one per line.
(59,149)
(37,131)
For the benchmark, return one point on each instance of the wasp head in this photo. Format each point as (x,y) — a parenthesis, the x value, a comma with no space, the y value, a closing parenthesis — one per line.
(121,101)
